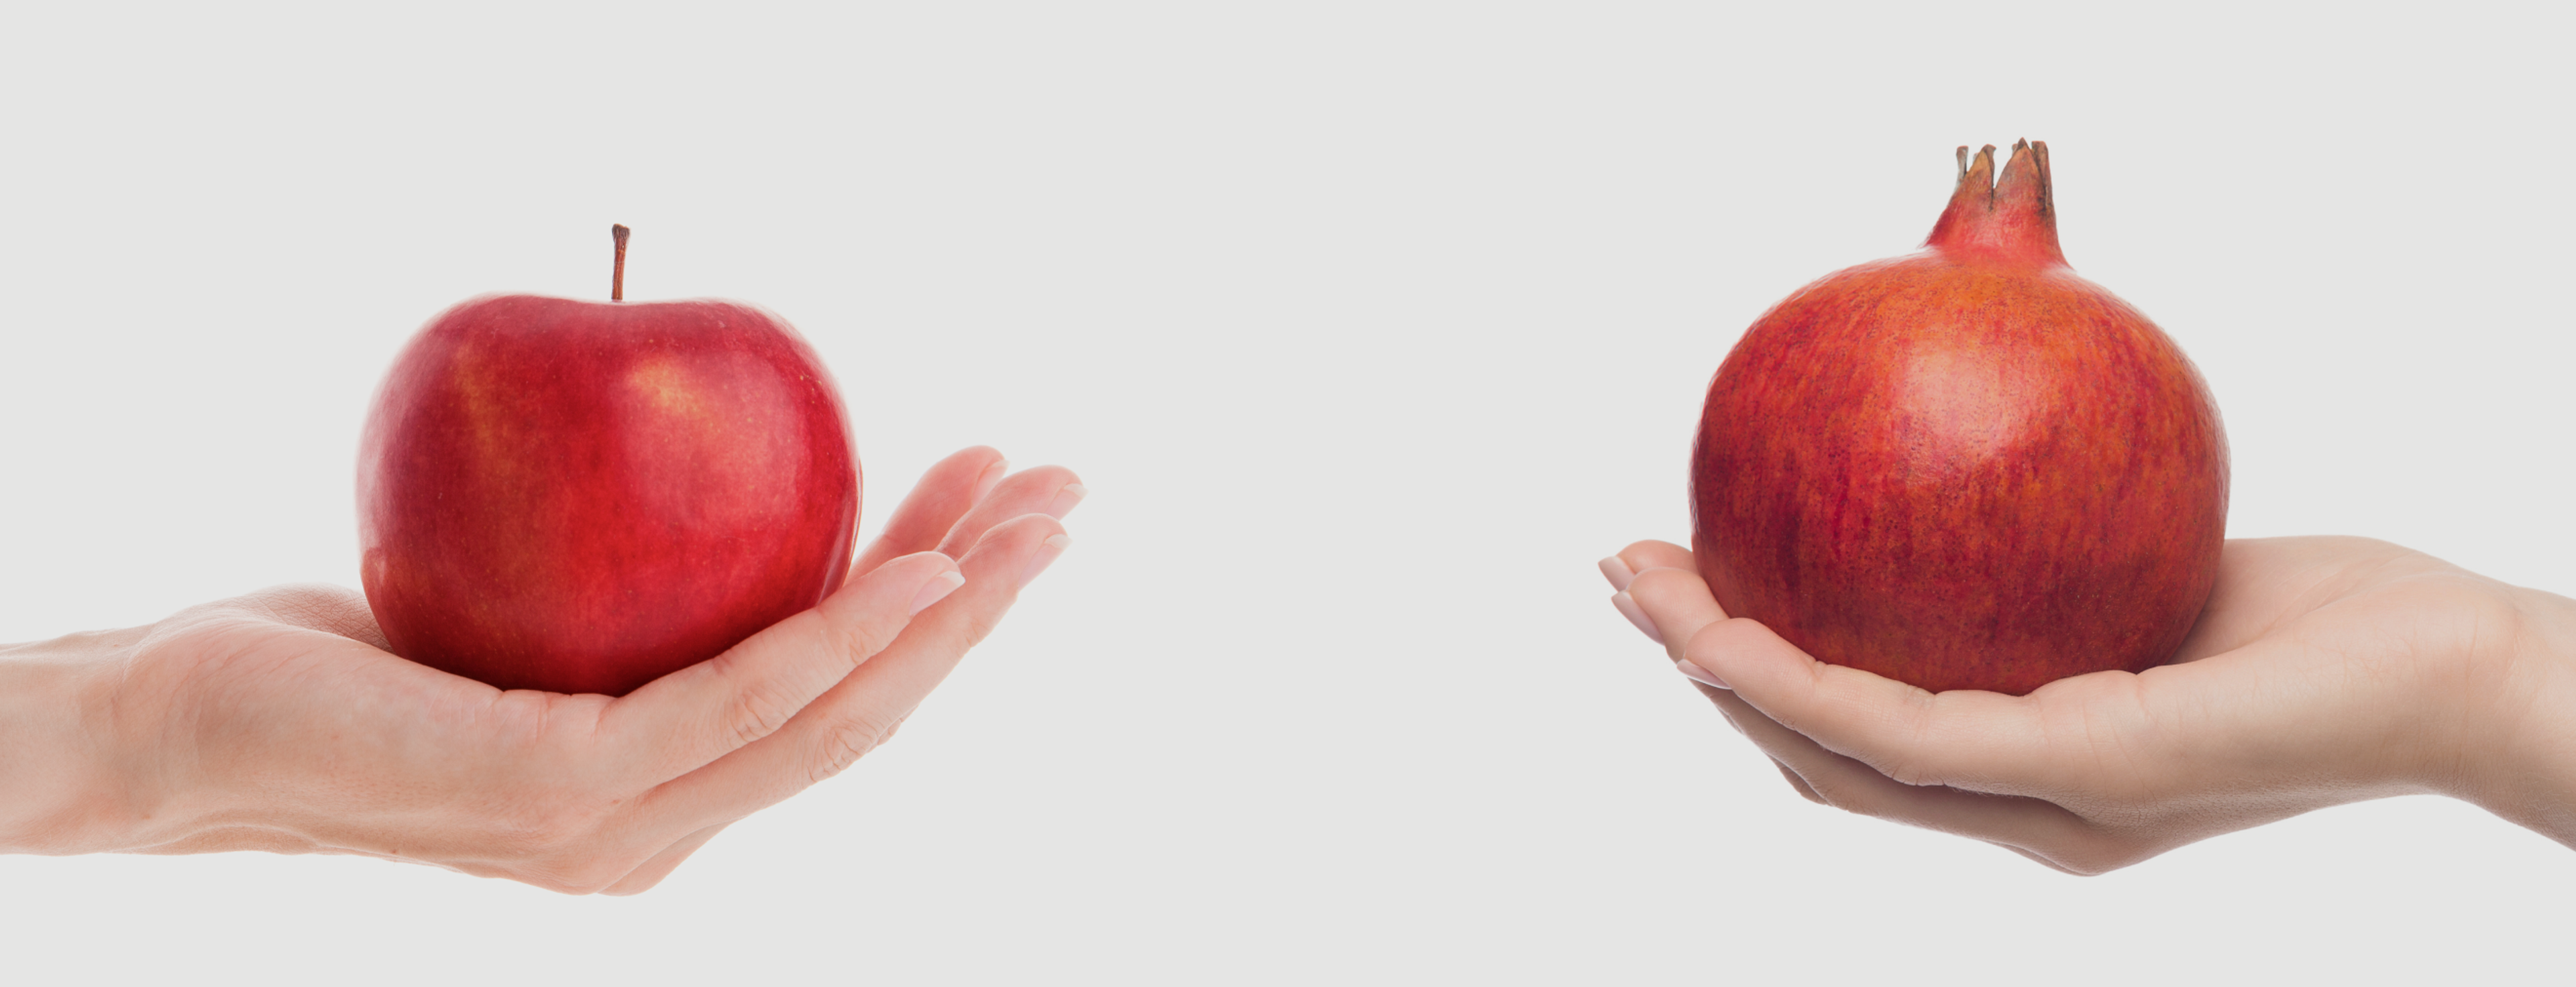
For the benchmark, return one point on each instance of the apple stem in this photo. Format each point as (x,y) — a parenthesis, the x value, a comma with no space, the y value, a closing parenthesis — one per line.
(617,279)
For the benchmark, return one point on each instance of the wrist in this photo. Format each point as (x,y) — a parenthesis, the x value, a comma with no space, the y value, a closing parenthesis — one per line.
(2523,765)
(57,793)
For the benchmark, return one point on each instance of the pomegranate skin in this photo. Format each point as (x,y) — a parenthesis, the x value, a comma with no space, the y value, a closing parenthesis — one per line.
(1966,468)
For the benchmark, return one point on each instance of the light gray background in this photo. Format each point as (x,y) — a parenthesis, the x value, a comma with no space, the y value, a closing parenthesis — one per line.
(1370,325)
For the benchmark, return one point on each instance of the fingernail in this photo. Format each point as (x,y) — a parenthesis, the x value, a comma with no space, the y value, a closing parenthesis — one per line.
(1636,615)
(992,474)
(1047,551)
(1065,498)
(937,589)
(1691,670)
(1615,569)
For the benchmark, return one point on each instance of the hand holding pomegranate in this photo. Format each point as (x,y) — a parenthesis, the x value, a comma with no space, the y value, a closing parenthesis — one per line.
(279,722)
(2323,670)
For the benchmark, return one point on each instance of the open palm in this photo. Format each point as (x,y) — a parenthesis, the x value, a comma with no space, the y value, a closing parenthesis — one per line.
(2324,670)
(278,721)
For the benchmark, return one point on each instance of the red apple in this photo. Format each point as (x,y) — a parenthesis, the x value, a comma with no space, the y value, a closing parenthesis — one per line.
(1966,468)
(583,496)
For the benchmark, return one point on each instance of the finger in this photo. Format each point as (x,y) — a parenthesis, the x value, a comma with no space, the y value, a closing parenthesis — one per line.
(858,714)
(876,699)
(1670,605)
(1644,555)
(681,721)
(1049,490)
(946,491)
(1798,783)
(1985,741)
(652,871)
(1844,783)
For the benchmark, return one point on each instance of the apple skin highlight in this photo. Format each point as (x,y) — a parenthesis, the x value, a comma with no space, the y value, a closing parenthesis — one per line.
(1965,468)
(582,496)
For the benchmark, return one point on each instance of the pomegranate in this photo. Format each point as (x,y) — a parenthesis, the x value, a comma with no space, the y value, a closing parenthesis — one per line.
(1964,468)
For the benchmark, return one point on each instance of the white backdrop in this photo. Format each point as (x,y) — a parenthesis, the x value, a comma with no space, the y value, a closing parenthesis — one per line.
(1370,325)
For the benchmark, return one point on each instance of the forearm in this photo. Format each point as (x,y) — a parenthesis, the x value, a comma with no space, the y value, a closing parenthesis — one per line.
(55,796)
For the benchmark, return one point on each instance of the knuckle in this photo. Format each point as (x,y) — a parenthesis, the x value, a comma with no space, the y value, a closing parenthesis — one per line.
(1805,790)
(841,747)
(1797,783)
(2089,852)
(1858,796)
(1910,756)
(1909,769)
(1664,589)
(1832,792)
(582,874)
(588,863)
(849,740)
(963,635)
(633,884)
(1650,582)
(980,625)
(2088,864)
(855,637)
(556,882)
(546,880)
(601,872)
(758,711)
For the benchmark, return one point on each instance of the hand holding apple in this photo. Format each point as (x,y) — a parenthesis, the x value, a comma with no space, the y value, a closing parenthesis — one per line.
(2324,671)
(278,722)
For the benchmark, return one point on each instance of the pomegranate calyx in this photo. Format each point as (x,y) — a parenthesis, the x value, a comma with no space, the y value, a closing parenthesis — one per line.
(2012,218)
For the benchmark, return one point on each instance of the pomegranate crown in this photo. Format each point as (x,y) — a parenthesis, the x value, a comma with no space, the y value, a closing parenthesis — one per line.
(2012,218)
